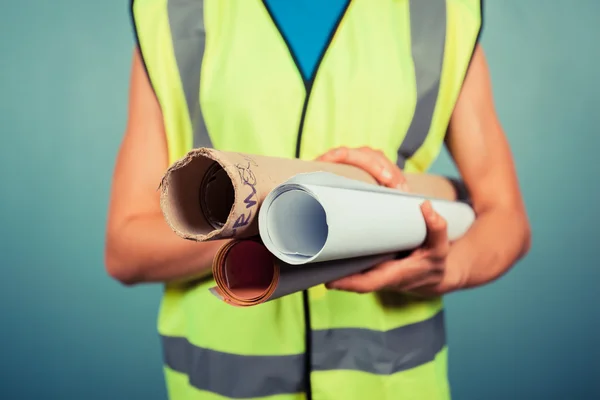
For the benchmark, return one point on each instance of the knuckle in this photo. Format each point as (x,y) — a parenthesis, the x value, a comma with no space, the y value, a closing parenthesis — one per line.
(437,223)
(381,164)
(381,158)
(442,223)
(438,255)
(341,153)
(437,267)
(432,266)
(441,226)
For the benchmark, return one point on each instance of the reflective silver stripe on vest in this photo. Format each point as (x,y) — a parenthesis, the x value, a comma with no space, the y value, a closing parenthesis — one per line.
(428,38)
(233,375)
(382,353)
(186,19)
(375,352)
(428,35)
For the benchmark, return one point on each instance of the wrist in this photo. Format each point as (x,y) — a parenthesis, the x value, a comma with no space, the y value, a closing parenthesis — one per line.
(460,189)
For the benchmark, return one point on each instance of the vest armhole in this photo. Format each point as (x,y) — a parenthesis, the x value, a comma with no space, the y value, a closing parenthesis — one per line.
(136,39)
(462,193)
(481,22)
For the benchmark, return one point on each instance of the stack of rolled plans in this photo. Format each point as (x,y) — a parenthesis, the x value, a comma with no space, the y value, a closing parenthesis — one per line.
(294,224)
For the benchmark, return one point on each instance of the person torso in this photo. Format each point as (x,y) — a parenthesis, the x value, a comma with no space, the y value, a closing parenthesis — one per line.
(294,79)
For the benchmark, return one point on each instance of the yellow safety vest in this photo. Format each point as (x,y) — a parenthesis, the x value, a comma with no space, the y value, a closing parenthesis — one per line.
(225,78)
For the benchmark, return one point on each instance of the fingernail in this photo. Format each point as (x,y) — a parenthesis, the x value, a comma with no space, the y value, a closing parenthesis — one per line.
(386,174)
(433,217)
(427,207)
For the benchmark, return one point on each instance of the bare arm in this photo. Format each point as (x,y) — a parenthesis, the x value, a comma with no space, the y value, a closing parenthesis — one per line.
(140,246)
(501,234)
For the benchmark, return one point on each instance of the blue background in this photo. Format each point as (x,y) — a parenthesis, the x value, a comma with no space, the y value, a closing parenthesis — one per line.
(68,332)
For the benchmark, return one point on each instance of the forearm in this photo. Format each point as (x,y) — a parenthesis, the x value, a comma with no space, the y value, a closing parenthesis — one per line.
(145,249)
(493,244)
(431,186)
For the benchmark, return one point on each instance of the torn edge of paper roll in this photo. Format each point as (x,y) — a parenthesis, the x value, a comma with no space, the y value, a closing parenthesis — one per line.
(199,194)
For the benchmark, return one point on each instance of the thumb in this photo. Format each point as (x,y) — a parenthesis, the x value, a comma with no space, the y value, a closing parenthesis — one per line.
(437,232)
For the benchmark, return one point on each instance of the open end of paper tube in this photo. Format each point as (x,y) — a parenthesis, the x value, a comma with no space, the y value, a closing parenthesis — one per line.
(249,270)
(297,224)
(198,205)
(216,196)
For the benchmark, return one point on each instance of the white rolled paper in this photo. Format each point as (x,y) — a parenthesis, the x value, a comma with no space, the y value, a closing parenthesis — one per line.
(316,217)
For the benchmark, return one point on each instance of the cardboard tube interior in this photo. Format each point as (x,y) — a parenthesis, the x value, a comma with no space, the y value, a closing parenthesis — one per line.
(201,197)
(249,270)
(216,196)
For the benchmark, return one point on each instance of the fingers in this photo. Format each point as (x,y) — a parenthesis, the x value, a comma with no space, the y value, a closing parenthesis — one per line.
(424,268)
(334,154)
(365,282)
(372,161)
(407,273)
(437,243)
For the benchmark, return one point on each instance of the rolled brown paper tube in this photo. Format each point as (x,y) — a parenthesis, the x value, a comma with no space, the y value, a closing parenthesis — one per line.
(247,274)
(211,194)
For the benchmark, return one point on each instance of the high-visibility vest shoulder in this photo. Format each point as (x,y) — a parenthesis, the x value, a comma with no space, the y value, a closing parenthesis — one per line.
(232,75)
